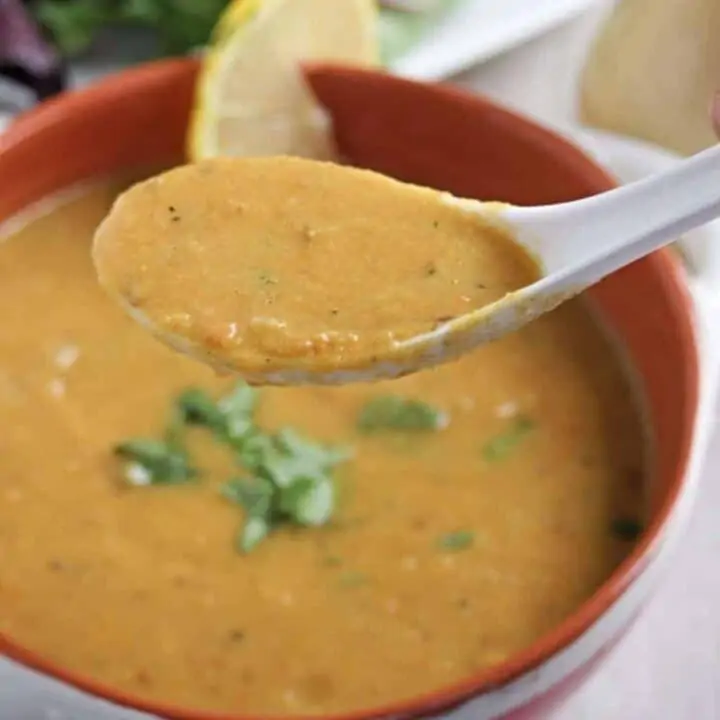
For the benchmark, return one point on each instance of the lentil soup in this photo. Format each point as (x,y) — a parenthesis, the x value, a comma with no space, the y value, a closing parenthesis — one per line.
(447,520)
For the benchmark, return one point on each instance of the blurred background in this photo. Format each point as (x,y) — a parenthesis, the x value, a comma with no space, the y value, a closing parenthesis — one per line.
(644,68)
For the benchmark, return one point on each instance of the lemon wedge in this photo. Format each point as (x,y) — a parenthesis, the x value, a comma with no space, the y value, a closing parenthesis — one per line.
(251,98)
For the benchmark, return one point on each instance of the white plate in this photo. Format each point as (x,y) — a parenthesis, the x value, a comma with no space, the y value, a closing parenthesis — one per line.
(479,29)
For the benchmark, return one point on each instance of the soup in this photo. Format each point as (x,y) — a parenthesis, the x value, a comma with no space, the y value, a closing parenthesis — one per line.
(478,504)
(267,263)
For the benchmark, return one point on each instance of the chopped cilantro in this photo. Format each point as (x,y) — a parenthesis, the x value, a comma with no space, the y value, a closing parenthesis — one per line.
(390,412)
(499,447)
(287,477)
(627,529)
(291,483)
(455,541)
(238,408)
(254,495)
(154,462)
(230,419)
(309,500)
(251,533)
(196,407)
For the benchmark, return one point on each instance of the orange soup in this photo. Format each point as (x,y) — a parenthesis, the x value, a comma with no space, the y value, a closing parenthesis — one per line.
(189,540)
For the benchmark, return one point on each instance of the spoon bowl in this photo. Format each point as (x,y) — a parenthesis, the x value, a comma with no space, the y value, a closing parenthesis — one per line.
(574,245)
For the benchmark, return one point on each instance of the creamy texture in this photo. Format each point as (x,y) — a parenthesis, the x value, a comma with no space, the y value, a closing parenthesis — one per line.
(269,263)
(142,588)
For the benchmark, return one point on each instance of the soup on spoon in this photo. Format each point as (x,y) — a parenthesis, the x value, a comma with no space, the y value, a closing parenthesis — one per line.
(284,270)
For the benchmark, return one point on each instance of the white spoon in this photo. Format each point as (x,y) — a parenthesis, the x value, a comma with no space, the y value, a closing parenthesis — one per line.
(575,244)
(579,243)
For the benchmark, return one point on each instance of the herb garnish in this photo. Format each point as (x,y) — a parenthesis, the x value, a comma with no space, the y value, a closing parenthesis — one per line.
(154,462)
(626,528)
(456,541)
(290,482)
(390,412)
(196,407)
(287,478)
(499,447)
(230,418)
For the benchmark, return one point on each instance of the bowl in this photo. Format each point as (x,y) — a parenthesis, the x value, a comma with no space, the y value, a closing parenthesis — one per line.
(444,138)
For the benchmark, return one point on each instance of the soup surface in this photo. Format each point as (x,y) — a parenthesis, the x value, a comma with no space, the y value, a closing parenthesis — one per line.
(266,263)
(451,546)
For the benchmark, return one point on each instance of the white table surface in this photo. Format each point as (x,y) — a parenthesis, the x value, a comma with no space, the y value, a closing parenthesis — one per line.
(664,669)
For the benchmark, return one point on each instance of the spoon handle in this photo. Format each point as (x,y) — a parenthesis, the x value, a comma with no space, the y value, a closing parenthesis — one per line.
(593,237)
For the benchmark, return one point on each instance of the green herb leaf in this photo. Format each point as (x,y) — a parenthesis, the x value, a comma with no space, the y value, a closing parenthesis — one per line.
(627,529)
(198,408)
(321,456)
(499,447)
(287,456)
(253,532)
(255,495)
(456,541)
(73,24)
(391,412)
(142,10)
(154,462)
(184,25)
(252,454)
(296,471)
(231,418)
(239,408)
(309,501)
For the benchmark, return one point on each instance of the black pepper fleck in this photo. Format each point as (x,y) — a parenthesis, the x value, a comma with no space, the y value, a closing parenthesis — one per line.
(143,678)
(626,529)
(418,523)
(444,318)
(236,636)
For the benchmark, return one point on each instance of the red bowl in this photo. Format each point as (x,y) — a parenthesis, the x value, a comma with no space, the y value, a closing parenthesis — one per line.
(441,137)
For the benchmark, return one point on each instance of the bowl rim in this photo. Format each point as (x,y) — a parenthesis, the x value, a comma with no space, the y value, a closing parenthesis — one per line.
(664,265)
